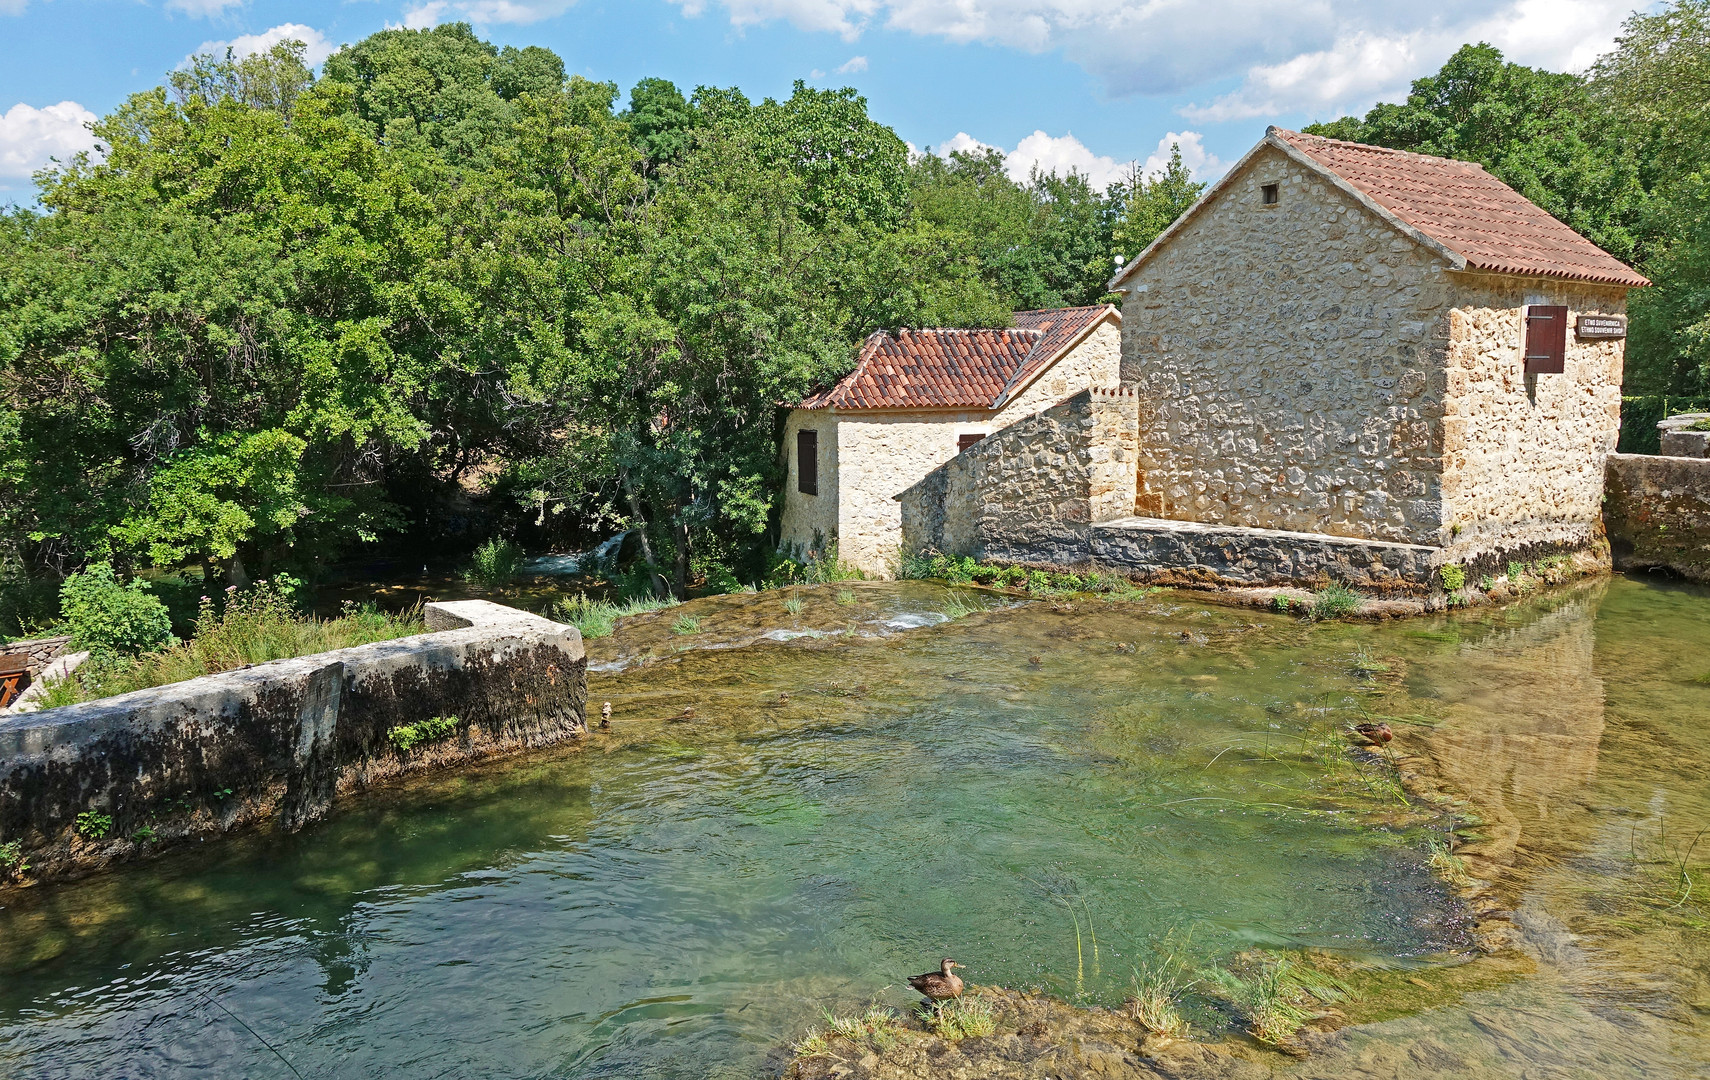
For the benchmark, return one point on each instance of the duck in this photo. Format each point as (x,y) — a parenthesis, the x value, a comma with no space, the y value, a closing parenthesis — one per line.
(606,715)
(1376,734)
(688,713)
(1124,647)
(783,699)
(941,985)
(1035,659)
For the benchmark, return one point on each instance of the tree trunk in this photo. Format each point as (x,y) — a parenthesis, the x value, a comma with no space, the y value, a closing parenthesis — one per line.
(680,571)
(235,573)
(661,587)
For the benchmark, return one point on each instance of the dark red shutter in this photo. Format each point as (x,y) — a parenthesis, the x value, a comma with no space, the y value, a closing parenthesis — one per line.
(965,441)
(1546,339)
(807,462)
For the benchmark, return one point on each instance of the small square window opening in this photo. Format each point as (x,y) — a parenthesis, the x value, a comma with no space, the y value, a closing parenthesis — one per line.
(1270,194)
(965,441)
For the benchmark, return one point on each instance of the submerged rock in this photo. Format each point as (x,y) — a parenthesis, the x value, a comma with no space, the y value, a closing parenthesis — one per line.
(1037,1038)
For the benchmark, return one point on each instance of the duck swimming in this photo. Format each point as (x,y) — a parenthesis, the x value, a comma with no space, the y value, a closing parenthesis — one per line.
(941,985)
(1376,734)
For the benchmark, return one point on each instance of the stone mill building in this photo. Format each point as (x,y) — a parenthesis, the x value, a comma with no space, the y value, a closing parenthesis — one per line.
(1343,362)
(916,399)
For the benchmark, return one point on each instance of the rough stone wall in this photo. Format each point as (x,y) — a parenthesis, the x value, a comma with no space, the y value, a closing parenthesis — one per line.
(1290,365)
(1029,492)
(41,651)
(809,522)
(1523,455)
(277,741)
(1096,361)
(1658,513)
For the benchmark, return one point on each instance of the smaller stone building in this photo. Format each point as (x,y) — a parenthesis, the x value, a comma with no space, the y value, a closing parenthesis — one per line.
(915,400)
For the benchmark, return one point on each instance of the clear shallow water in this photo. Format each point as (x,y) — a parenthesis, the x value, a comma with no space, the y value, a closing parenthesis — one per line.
(680,898)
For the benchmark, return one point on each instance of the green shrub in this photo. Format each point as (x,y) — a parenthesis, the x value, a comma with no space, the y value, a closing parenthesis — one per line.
(1334,601)
(12,857)
(94,824)
(407,737)
(1515,570)
(107,615)
(826,568)
(1454,577)
(497,562)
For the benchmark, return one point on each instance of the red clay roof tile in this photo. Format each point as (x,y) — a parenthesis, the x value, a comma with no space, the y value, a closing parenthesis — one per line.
(1467,210)
(957,369)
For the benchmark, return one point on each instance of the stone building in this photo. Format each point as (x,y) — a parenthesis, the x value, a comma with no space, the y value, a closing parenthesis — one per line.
(914,401)
(1357,363)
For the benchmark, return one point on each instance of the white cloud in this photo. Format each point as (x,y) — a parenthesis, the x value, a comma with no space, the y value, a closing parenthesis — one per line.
(1361,67)
(318,47)
(202,9)
(1316,55)
(484,12)
(1061,154)
(853,65)
(13,7)
(29,136)
(1065,152)
(1202,163)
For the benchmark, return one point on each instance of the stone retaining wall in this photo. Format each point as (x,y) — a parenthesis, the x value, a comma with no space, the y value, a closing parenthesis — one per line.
(1028,492)
(1656,511)
(40,650)
(1192,553)
(279,741)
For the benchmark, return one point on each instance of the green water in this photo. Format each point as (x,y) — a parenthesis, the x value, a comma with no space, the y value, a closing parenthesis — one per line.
(679,898)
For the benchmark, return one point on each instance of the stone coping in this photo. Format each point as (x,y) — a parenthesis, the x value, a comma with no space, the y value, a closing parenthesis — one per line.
(1244,532)
(452,628)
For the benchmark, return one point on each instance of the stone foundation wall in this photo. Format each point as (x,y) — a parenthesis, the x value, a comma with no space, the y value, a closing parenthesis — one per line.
(279,741)
(1657,513)
(1029,492)
(41,651)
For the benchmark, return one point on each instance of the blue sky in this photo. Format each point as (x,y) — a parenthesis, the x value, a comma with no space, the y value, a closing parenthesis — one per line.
(1090,84)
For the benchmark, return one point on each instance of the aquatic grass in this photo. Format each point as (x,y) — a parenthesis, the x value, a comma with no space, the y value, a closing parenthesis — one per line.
(970,1017)
(846,597)
(1335,601)
(1446,864)
(813,1044)
(1158,988)
(686,624)
(958,605)
(793,605)
(1275,996)
(598,618)
(879,1026)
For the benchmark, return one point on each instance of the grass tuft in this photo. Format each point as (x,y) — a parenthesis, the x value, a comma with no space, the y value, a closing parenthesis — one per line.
(793,605)
(964,1018)
(1446,864)
(1276,996)
(959,604)
(497,562)
(1335,601)
(846,597)
(686,624)
(598,618)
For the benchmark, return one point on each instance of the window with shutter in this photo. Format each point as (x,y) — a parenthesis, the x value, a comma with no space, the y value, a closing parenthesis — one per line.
(965,441)
(807,462)
(1546,339)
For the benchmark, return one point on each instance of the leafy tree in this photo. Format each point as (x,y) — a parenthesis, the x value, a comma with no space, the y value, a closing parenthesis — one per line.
(661,120)
(1153,205)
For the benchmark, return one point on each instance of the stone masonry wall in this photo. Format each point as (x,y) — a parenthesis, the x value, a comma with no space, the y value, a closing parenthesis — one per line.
(1523,455)
(1658,513)
(1030,492)
(1290,364)
(277,742)
(809,521)
(1096,361)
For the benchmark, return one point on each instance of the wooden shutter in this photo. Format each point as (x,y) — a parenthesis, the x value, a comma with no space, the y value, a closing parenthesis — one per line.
(807,462)
(1546,339)
(965,441)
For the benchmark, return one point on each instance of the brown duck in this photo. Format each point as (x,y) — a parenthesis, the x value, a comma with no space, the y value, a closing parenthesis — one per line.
(1376,734)
(940,985)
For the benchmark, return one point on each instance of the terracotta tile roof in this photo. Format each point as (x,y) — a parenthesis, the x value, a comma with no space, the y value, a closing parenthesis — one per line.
(956,369)
(1467,210)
